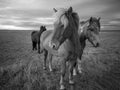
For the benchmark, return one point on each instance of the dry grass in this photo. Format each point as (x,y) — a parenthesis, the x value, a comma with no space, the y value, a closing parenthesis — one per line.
(21,68)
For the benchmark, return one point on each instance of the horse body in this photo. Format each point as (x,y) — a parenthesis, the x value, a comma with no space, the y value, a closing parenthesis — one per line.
(63,41)
(63,50)
(35,37)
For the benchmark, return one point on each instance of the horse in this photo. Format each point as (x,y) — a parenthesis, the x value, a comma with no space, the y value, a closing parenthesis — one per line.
(35,37)
(63,41)
(89,30)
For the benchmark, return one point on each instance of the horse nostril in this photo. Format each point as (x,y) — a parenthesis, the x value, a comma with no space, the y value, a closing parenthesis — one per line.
(54,46)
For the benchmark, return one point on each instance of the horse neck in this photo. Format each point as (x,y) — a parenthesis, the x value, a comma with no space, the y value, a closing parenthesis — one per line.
(82,39)
(75,38)
(40,32)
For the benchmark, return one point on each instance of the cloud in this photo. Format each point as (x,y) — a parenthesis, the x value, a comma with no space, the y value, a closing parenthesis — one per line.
(115,22)
(44,20)
(33,13)
(12,27)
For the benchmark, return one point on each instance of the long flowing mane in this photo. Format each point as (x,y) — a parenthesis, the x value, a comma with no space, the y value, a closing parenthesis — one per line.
(75,25)
(71,23)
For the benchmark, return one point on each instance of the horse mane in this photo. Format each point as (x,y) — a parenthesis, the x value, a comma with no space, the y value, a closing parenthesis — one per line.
(75,24)
(70,22)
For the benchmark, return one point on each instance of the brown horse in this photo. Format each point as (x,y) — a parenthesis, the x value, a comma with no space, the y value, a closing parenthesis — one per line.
(63,41)
(89,30)
(35,37)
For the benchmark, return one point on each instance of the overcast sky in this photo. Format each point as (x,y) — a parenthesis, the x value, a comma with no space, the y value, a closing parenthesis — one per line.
(30,14)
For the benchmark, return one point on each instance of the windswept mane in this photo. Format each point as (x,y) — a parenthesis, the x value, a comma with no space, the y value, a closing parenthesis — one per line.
(76,19)
(61,17)
(70,20)
(83,25)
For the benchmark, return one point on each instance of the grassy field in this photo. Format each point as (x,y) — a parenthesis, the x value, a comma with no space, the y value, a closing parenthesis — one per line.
(21,68)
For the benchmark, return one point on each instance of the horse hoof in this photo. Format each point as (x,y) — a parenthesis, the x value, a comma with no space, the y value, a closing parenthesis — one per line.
(44,68)
(79,71)
(74,73)
(62,87)
(51,70)
(71,82)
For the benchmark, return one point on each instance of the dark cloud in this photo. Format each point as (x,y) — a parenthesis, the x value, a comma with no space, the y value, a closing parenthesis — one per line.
(20,13)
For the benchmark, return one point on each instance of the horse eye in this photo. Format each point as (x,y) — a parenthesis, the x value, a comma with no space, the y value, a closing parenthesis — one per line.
(62,25)
(90,29)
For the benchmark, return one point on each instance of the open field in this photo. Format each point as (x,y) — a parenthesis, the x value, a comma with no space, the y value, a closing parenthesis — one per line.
(21,68)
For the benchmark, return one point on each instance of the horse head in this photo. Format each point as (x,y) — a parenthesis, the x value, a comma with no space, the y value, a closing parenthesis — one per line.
(66,22)
(42,28)
(93,30)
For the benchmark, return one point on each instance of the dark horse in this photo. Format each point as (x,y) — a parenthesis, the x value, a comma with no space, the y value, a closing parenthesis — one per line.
(35,37)
(63,41)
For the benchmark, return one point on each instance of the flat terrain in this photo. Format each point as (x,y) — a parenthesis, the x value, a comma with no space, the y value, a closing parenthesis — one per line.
(21,68)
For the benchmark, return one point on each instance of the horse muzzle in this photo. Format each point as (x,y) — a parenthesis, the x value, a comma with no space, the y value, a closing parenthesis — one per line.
(55,45)
(97,44)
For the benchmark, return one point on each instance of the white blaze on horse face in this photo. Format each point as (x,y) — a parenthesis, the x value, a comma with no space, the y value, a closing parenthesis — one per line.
(81,29)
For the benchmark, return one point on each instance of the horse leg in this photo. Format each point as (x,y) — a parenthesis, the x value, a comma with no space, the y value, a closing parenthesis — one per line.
(35,45)
(72,64)
(38,47)
(50,61)
(75,70)
(79,66)
(45,58)
(63,70)
(32,45)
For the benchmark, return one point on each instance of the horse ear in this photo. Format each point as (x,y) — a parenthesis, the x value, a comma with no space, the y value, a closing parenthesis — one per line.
(99,18)
(90,19)
(70,10)
(54,10)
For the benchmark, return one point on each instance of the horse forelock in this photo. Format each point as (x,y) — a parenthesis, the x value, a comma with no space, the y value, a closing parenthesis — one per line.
(83,26)
(60,17)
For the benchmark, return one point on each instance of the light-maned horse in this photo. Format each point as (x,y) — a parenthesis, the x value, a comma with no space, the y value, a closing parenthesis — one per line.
(35,37)
(89,30)
(63,41)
